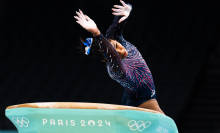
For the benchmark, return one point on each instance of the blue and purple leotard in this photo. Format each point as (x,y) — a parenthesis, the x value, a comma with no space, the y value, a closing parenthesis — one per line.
(132,72)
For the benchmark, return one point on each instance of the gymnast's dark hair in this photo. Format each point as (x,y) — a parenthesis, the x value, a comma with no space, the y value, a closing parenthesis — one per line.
(95,50)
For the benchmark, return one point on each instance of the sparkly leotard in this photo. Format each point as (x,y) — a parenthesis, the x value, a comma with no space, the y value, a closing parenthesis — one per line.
(132,72)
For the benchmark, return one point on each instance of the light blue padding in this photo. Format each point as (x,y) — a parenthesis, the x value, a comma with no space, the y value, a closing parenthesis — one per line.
(44,120)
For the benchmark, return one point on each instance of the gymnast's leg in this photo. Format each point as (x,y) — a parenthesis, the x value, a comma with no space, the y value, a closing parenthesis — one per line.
(151,104)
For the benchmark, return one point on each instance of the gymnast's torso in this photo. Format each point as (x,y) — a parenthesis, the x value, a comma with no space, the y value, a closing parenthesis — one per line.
(137,80)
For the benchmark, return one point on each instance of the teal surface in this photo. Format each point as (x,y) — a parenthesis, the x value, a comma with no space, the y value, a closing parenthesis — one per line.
(44,120)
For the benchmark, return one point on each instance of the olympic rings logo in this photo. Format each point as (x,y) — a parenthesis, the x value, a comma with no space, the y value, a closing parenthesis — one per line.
(140,125)
(22,122)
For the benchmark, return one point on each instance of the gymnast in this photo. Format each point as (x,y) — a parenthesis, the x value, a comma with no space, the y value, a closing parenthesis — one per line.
(124,62)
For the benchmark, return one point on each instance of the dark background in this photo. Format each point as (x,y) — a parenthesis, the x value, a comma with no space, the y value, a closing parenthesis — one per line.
(179,41)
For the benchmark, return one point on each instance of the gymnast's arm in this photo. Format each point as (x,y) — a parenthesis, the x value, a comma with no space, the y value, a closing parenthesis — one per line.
(121,14)
(108,50)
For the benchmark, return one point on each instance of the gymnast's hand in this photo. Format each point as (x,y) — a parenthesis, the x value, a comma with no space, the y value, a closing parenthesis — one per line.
(123,10)
(87,23)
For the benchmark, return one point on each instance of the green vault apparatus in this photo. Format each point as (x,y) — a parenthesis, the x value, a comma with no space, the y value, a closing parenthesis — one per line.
(87,118)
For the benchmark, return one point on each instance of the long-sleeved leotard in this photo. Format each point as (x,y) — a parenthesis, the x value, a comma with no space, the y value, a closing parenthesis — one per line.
(132,72)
